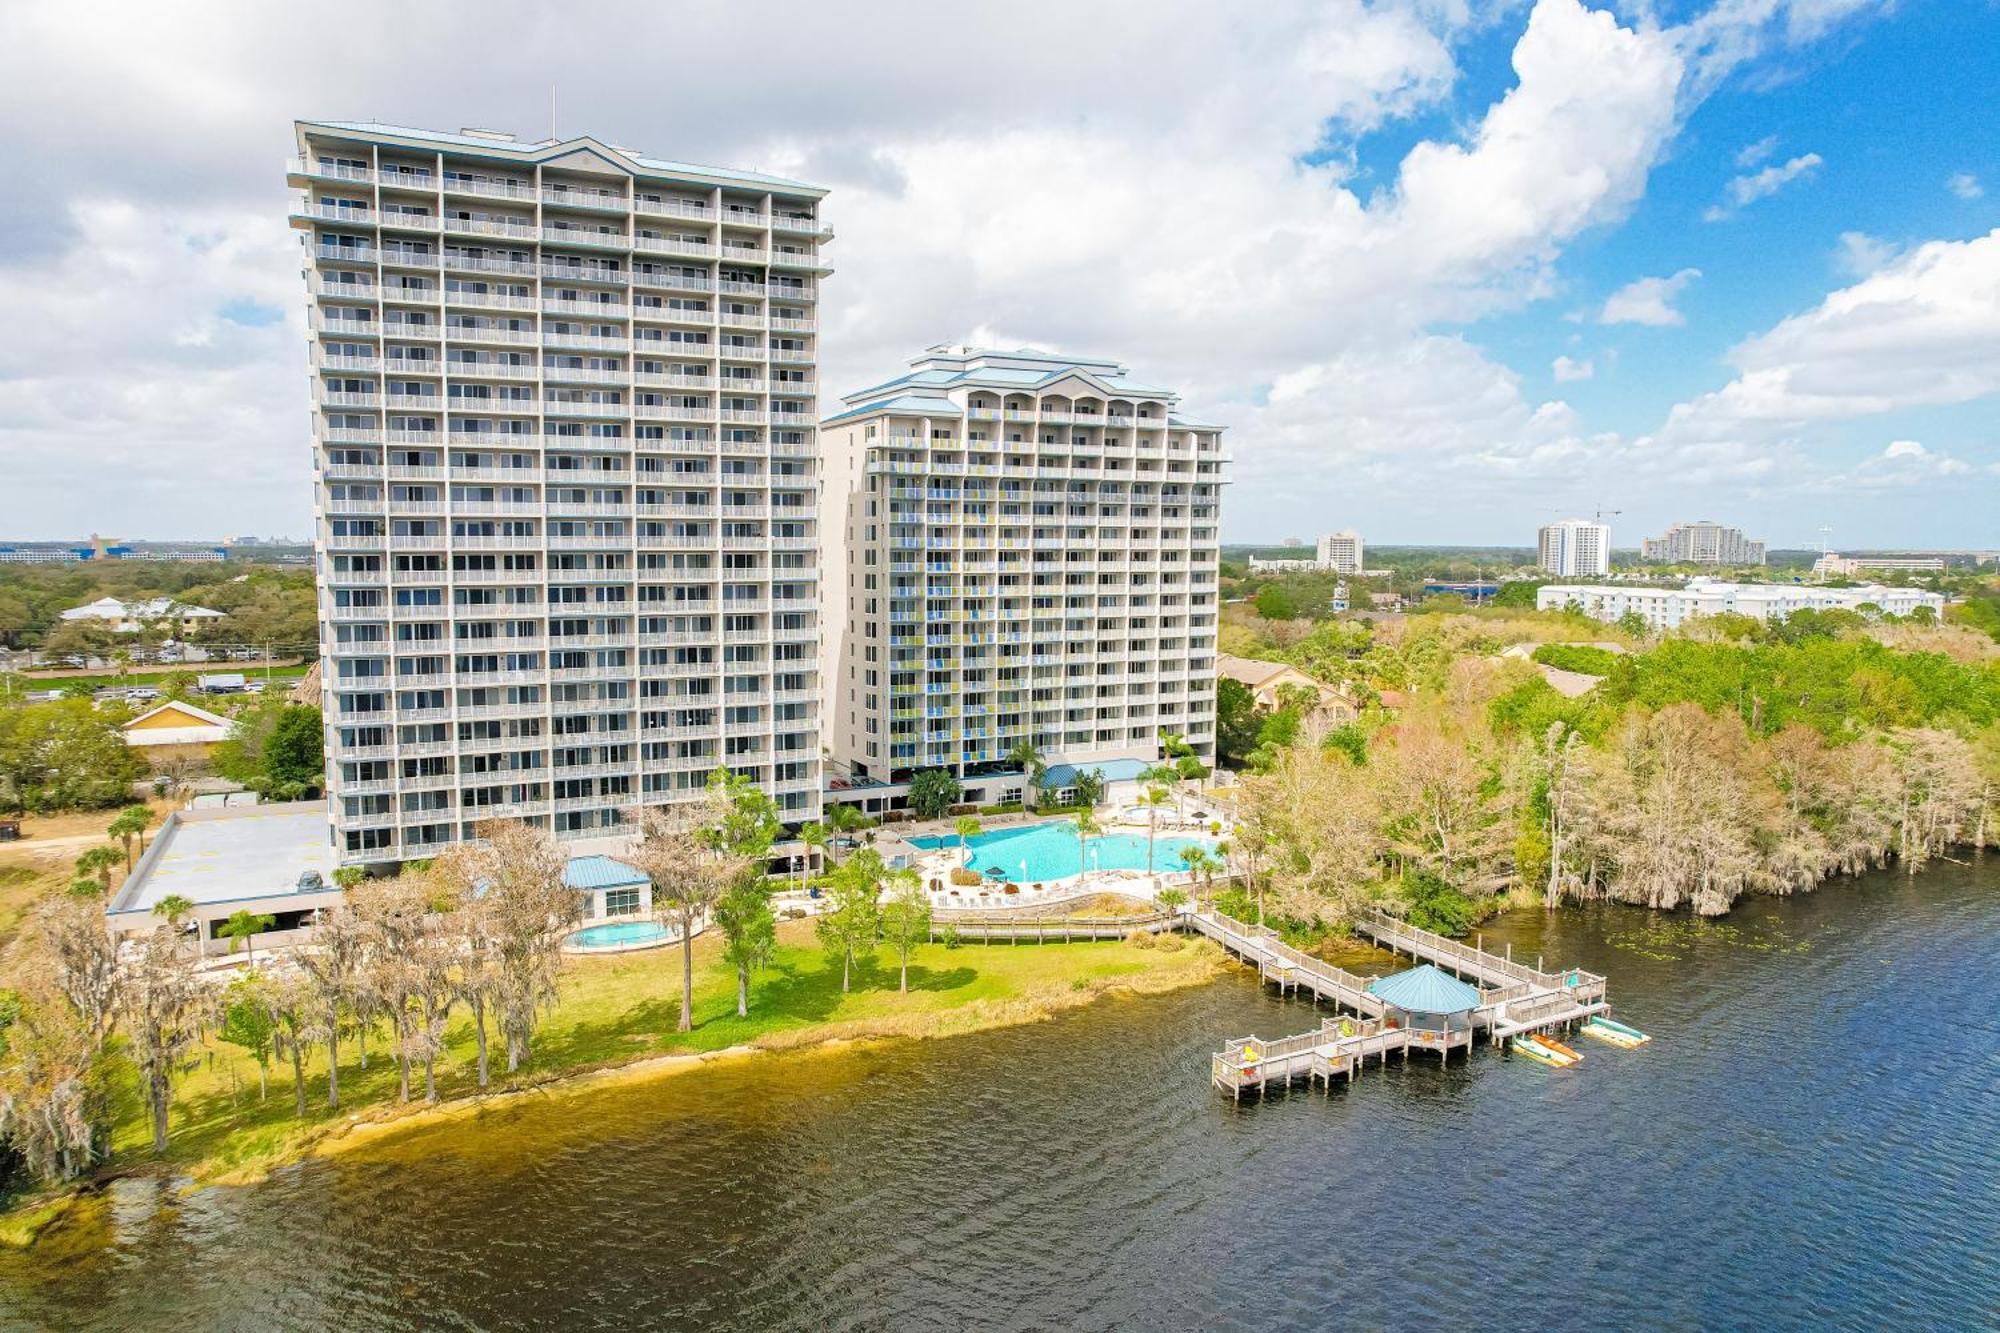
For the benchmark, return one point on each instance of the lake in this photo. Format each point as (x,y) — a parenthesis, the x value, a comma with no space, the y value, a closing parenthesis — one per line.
(1811,1140)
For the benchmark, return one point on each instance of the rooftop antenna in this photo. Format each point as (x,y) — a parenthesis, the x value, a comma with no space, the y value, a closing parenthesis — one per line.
(552,109)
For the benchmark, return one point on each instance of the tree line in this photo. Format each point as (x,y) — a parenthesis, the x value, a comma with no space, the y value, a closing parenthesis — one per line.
(476,933)
(1695,774)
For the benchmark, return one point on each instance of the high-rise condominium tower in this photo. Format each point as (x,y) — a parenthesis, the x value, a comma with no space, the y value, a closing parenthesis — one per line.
(563,407)
(1019,547)
(1703,543)
(1574,547)
(1342,552)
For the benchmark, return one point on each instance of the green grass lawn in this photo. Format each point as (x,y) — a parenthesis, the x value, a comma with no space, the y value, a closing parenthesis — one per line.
(617,1009)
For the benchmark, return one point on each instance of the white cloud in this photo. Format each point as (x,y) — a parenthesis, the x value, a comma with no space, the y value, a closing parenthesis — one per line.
(1965,185)
(1751,154)
(1860,254)
(1748,189)
(1648,301)
(1566,370)
(1902,464)
(1152,207)
(1922,331)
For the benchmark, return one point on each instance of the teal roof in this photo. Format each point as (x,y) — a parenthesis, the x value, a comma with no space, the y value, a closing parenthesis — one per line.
(1114,770)
(1425,990)
(600,872)
(937,407)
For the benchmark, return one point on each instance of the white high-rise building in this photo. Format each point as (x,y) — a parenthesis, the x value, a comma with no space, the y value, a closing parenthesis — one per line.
(1702,543)
(1575,547)
(1018,546)
(564,415)
(1342,551)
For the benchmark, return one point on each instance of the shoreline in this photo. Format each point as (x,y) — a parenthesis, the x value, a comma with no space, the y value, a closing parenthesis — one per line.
(23,1225)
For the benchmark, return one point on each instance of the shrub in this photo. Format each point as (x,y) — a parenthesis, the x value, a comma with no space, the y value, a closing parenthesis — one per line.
(1004,808)
(1140,939)
(964,876)
(1580,657)
(951,937)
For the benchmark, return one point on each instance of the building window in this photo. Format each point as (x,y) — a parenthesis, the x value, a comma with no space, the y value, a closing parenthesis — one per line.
(621,902)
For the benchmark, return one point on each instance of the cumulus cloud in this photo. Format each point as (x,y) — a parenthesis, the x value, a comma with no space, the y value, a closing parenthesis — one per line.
(1565,370)
(1922,331)
(1648,301)
(1965,185)
(1744,190)
(1188,206)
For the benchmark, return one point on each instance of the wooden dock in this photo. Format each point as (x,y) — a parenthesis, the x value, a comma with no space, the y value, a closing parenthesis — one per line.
(1515,998)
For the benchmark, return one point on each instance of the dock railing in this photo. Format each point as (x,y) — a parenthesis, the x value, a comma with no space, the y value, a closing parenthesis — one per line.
(1392,930)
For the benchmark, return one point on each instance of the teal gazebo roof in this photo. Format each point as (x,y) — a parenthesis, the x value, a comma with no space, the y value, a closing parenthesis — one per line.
(1425,990)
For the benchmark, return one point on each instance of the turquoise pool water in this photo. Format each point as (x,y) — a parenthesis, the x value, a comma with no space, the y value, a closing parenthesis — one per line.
(618,933)
(1050,851)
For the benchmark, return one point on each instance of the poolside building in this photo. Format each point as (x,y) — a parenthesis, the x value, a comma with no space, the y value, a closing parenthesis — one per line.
(564,413)
(268,860)
(612,889)
(1018,547)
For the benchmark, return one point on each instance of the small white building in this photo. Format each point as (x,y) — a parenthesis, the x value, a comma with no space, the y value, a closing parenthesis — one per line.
(1669,608)
(612,889)
(131,617)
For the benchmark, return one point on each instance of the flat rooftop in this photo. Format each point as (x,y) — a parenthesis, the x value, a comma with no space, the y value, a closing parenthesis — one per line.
(212,857)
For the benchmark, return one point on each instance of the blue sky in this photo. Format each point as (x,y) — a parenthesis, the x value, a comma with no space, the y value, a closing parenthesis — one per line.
(1446,268)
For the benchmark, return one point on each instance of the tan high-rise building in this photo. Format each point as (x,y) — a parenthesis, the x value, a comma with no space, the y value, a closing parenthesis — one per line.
(564,440)
(1018,547)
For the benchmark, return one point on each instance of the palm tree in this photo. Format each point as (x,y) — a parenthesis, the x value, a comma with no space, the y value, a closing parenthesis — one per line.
(130,823)
(814,835)
(1087,828)
(174,908)
(1027,756)
(1201,865)
(842,819)
(1153,799)
(246,925)
(967,826)
(99,861)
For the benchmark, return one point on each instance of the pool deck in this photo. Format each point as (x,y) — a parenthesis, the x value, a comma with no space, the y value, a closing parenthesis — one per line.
(936,864)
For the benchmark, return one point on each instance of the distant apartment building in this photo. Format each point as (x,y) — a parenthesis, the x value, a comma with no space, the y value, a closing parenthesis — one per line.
(1702,543)
(1668,608)
(1847,566)
(1018,547)
(564,418)
(1336,553)
(1575,548)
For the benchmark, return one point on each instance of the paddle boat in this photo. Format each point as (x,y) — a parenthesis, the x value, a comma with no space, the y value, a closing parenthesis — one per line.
(1526,1045)
(1617,1034)
(1558,1047)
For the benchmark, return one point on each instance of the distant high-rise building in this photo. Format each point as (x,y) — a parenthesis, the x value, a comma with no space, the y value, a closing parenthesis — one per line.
(1341,551)
(564,418)
(1575,547)
(1018,547)
(1702,543)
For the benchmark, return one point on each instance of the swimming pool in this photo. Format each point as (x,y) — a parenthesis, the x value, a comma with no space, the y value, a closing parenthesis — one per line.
(1050,851)
(618,935)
